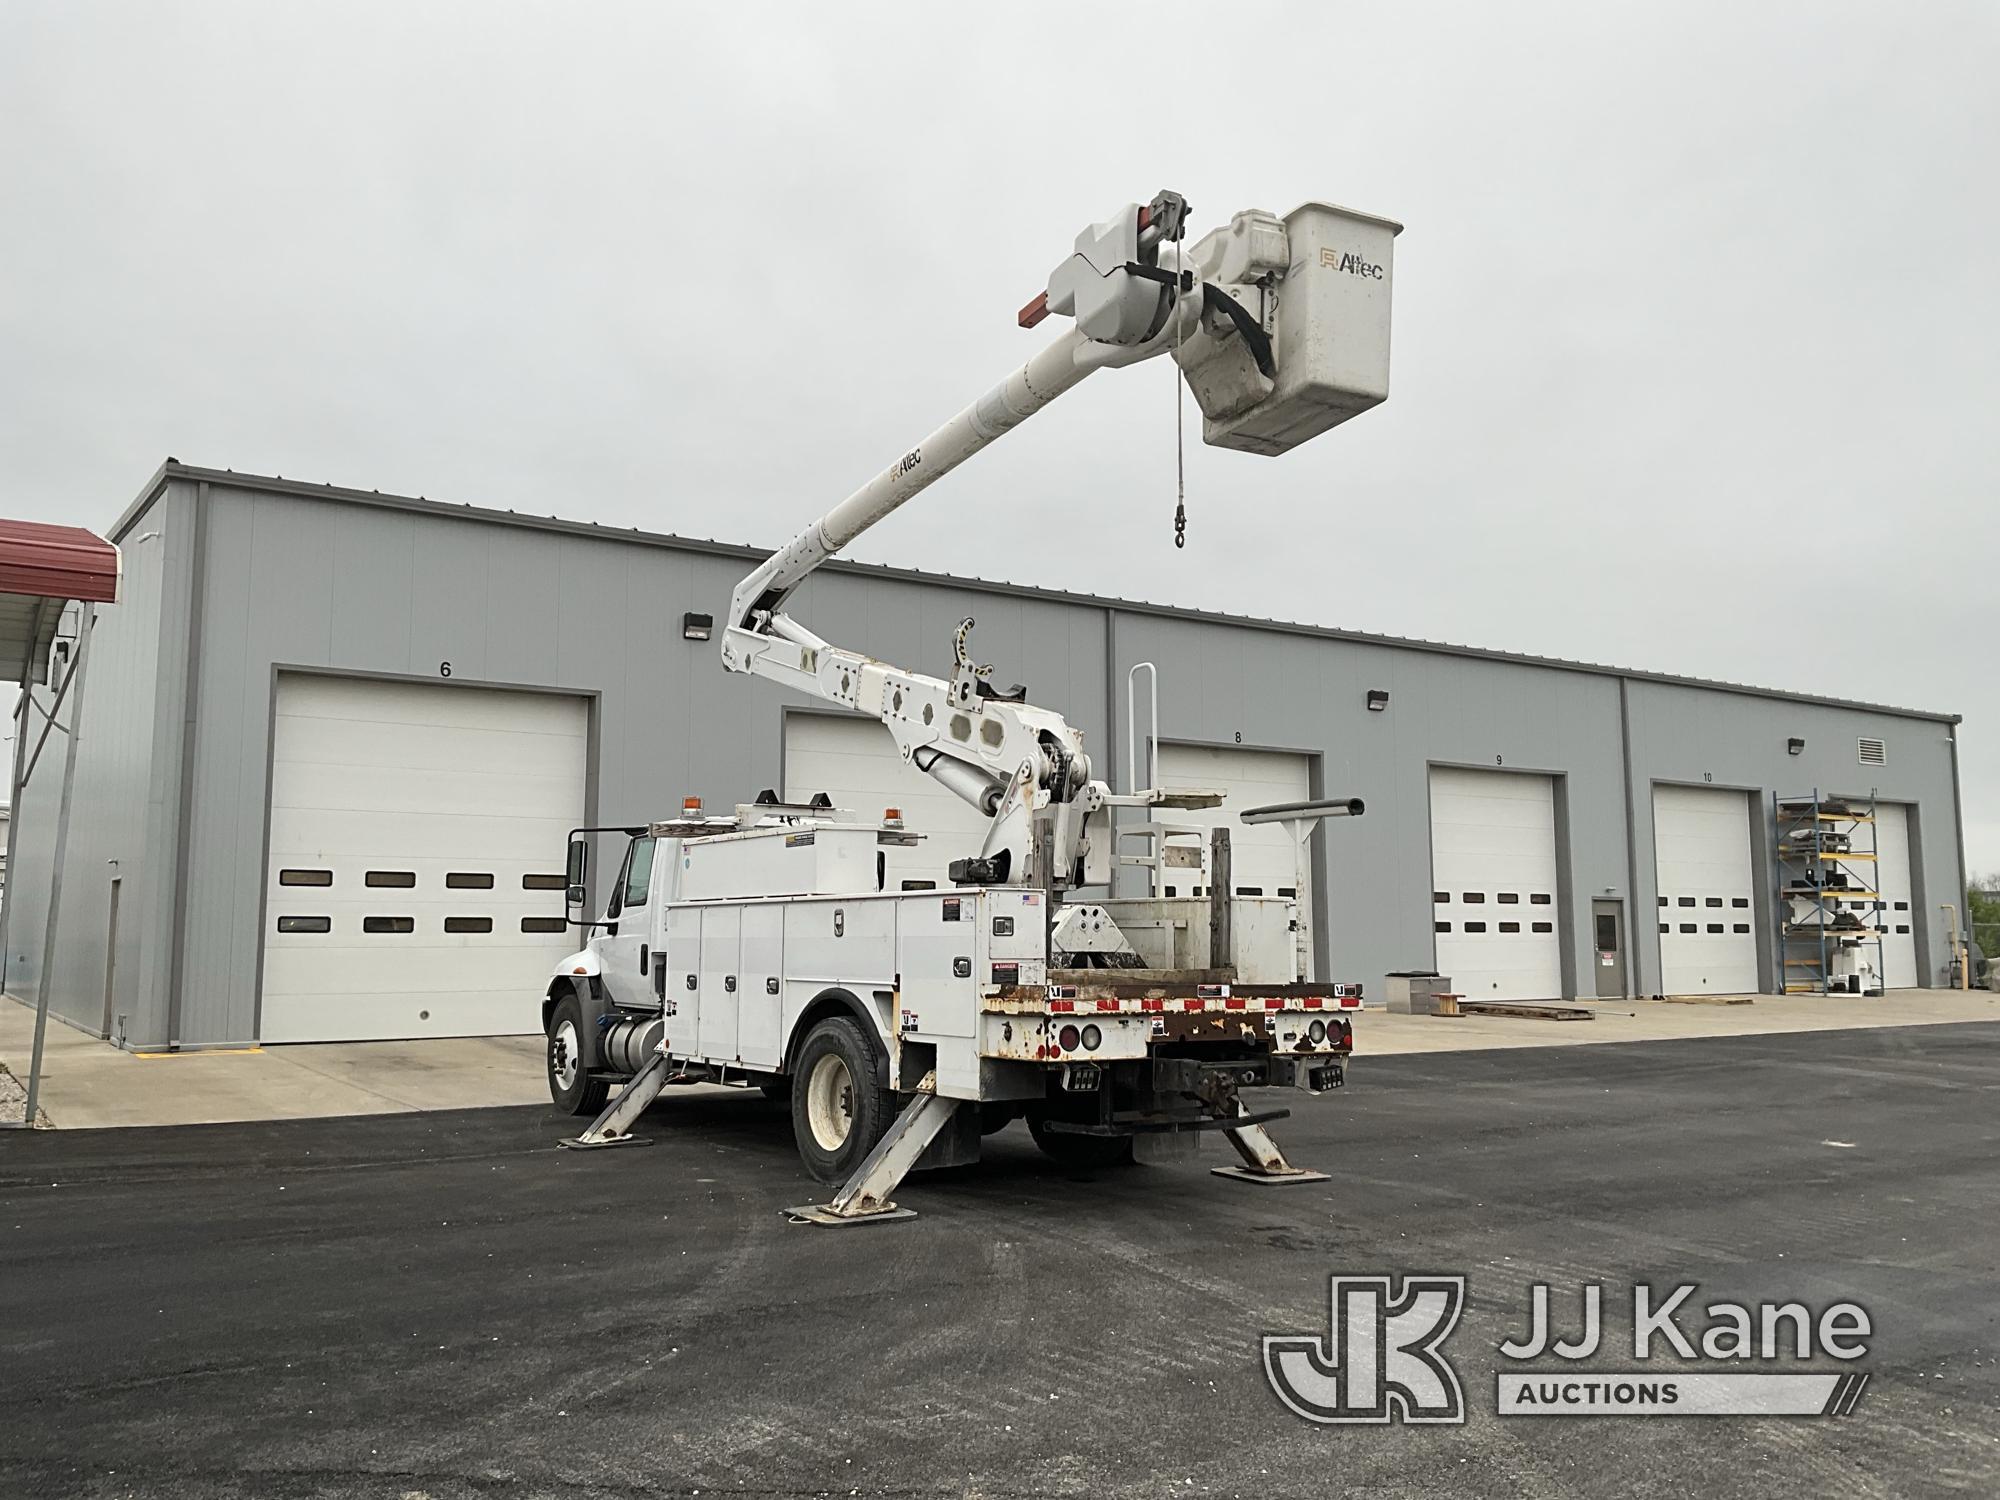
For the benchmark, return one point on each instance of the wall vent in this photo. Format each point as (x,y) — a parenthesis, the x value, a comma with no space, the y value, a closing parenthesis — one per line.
(1873,752)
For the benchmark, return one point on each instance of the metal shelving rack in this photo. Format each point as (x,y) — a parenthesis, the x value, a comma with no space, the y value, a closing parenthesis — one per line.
(1829,915)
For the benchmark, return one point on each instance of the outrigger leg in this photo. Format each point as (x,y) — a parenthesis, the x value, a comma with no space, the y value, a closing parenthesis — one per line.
(864,1197)
(1263,1162)
(614,1126)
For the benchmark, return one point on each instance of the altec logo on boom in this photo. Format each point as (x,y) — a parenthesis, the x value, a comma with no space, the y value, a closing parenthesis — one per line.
(1383,1361)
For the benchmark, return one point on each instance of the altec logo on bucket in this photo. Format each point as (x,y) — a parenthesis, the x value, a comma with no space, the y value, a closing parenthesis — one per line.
(1383,1361)
(1348,261)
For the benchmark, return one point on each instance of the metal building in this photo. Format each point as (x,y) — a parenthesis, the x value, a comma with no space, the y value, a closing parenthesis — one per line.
(336,739)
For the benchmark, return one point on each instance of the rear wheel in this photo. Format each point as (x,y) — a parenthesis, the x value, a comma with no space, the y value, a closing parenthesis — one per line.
(1068,1149)
(839,1112)
(574,1091)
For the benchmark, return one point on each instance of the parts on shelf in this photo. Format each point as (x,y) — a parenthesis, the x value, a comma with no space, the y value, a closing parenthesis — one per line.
(1826,945)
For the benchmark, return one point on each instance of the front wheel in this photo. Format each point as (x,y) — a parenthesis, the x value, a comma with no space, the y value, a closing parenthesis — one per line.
(574,1091)
(839,1112)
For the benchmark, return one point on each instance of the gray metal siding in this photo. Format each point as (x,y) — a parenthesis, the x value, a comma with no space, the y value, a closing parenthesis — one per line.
(303,584)
(1682,734)
(1295,693)
(121,810)
(299,581)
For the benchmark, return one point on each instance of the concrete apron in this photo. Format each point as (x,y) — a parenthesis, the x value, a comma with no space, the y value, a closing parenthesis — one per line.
(88,1083)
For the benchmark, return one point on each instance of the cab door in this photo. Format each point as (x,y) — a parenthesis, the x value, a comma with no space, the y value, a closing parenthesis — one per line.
(623,943)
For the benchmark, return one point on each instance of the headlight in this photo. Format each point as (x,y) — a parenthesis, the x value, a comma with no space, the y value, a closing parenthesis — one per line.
(1092,1038)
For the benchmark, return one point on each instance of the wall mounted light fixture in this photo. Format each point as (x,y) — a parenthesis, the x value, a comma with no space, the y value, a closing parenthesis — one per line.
(1378,700)
(696,627)
(1795,746)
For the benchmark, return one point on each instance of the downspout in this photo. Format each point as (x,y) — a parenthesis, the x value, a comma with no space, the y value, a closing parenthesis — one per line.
(1632,923)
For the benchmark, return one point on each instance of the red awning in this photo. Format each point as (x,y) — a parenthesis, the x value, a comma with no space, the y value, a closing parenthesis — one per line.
(42,568)
(57,562)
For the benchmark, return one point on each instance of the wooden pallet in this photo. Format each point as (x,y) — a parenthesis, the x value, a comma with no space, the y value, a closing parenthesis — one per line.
(1526,1010)
(1709,999)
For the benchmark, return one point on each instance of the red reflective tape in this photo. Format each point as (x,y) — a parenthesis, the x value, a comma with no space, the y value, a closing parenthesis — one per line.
(1107,1005)
(1152,1005)
(1062,1005)
(1274,1005)
(1350,1002)
(1234,1003)
(1191,1004)
(1313,1002)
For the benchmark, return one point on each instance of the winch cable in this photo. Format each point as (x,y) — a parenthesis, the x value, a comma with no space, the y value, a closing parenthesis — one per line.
(1180,405)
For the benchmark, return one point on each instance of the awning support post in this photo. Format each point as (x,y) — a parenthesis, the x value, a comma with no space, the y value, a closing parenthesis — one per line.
(75,733)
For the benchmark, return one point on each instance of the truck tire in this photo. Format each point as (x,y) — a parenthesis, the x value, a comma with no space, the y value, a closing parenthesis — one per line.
(839,1112)
(1067,1149)
(574,1091)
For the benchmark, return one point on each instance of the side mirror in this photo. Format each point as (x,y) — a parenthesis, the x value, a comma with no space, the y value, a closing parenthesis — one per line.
(579,868)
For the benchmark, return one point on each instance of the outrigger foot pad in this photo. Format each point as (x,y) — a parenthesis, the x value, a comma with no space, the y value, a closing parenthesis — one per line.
(1263,1163)
(1271,1179)
(864,1197)
(584,1143)
(820,1213)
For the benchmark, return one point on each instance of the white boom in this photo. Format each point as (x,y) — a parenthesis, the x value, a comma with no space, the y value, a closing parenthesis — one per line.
(1281,328)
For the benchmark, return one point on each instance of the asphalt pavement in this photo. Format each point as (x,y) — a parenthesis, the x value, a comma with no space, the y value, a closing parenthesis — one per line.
(446,1306)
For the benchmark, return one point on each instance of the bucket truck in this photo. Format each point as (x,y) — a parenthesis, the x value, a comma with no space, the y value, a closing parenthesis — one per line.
(761,947)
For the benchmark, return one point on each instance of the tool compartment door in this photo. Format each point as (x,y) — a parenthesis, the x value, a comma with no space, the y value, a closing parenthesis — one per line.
(937,937)
(718,982)
(683,993)
(760,989)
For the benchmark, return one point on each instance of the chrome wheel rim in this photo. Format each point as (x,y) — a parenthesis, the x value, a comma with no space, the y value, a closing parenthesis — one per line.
(563,1059)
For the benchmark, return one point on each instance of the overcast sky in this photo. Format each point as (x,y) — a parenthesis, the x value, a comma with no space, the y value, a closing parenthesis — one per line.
(1695,329)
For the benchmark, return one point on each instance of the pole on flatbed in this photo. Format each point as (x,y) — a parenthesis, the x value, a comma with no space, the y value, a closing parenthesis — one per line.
(1221,884)
(76,671)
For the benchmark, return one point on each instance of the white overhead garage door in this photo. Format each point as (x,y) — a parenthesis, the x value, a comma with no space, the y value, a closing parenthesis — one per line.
(1892,873)
(414,881)
(855,762)
(1708,935)
(1262,859)
(1493,872)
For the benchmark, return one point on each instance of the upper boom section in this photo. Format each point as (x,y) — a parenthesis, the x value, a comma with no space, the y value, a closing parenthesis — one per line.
(1280,326)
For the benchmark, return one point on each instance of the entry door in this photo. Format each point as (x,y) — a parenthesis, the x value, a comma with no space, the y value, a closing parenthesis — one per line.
(1607,920)
(1708,937)
(1493,865)
(623,943)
